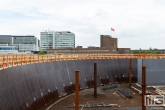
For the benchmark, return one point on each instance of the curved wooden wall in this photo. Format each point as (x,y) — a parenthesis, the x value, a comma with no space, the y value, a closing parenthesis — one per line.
(35,86)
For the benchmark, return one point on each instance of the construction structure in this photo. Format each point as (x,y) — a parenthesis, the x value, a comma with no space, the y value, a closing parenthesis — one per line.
(33,82)
(95,80)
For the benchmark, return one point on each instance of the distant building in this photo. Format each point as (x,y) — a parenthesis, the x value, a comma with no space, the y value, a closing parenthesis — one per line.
(28,47)
(91,50)
(19,43)
(162,51)
(57,40)
(106,41)
(5,48)
(79,47)
(124,50)
(107,45)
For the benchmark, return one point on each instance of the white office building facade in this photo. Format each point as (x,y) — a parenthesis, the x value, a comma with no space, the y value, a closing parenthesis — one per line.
(56,40)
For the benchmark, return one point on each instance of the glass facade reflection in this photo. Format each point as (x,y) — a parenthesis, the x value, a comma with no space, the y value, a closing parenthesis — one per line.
(24,40)
(5,48)
(55,40)
(15,41)
(5,39)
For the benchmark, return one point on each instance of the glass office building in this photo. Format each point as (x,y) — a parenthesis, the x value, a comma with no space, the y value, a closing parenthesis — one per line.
(57,40)
(25,40)
(20,43)
(5,48)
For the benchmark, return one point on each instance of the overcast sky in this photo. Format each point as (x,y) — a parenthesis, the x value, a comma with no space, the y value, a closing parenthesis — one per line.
(137,23)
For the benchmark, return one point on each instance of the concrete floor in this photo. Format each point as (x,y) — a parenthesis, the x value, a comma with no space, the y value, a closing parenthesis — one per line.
(107,97)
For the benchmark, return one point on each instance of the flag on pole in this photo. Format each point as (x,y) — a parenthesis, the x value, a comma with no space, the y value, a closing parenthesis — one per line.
(112,29)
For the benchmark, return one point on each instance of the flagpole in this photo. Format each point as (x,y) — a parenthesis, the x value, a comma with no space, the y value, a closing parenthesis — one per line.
(111,32)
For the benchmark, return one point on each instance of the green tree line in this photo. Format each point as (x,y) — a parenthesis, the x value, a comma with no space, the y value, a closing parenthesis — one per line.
(150,51)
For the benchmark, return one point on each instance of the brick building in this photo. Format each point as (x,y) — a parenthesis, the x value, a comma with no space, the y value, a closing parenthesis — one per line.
(106,41)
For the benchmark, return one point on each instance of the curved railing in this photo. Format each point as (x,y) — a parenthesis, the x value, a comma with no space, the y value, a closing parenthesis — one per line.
(17,59)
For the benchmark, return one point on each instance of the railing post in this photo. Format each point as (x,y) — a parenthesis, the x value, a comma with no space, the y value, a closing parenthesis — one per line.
(143,86)
(7,62)
(16,59)
(21,58)
(95,80)
(33,59)
(130,72)
(3,62)
(38,58)
(77,89)
(12,60)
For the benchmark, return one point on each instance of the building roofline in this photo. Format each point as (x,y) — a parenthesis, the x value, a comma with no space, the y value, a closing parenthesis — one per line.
(57,31)
(17,36)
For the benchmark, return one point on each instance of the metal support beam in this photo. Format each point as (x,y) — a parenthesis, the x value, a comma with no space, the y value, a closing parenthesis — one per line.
(130,72)
(143,86)
(77,89)
(95,80)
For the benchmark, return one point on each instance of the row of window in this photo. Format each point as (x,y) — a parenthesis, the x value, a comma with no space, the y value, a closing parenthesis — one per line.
(57,42)
(63,45)
(6,48)
(64,35)
(57,45)
(47,45)
(57,35)
(63,39)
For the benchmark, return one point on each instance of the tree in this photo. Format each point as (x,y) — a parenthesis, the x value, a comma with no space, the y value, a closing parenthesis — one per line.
(146,51)
(41,53)
(136,52)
